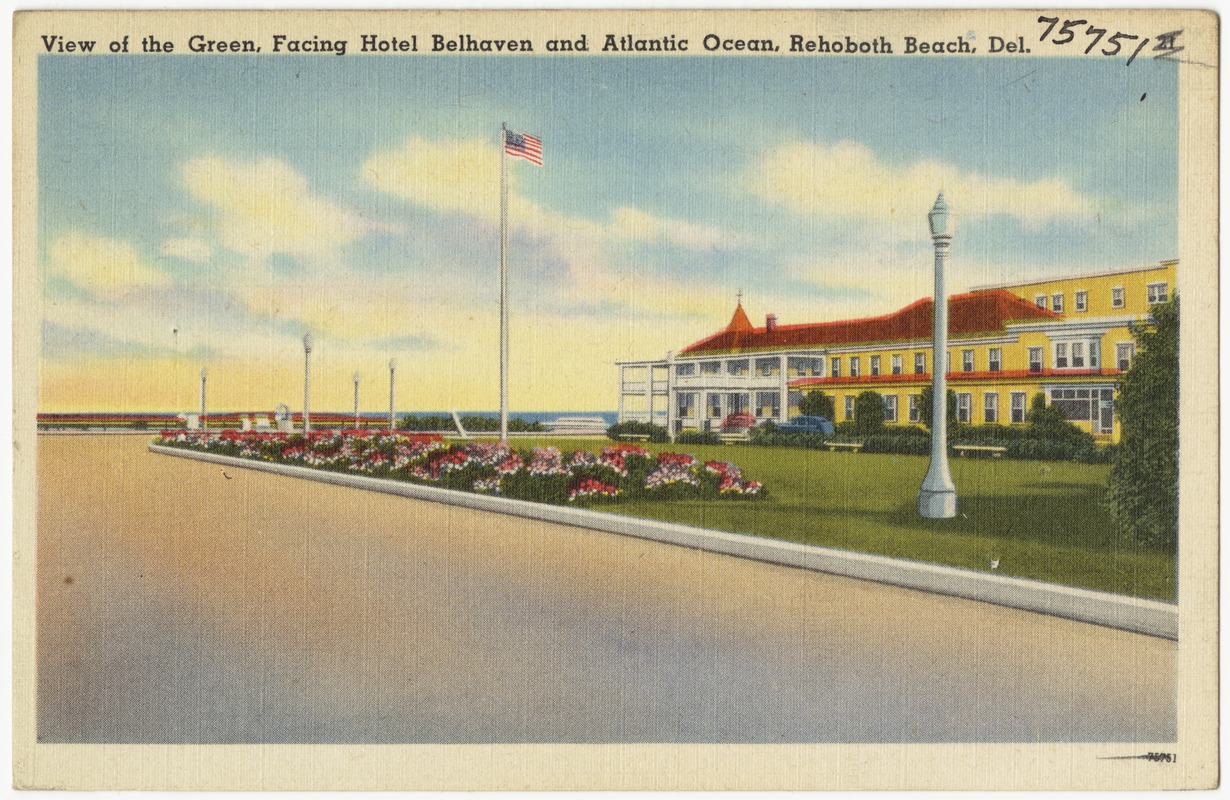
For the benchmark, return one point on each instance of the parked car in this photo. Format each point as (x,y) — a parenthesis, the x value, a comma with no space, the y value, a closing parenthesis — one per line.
(737,423)
(807,425)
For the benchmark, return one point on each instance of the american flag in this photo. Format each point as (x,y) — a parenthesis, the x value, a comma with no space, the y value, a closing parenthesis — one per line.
(522,145)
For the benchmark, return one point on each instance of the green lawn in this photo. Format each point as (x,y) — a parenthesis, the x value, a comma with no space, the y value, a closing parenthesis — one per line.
(1042,520)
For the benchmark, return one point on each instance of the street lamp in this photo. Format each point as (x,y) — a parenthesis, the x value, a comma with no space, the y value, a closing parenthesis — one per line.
(356,401)
(203,426)
(392,390)
(307,383)
(937,499)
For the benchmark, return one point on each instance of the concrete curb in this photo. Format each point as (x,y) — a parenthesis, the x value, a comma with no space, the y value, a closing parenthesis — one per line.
(1150,617)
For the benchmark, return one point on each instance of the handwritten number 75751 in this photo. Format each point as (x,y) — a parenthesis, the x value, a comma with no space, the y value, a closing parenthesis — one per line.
(1070,27)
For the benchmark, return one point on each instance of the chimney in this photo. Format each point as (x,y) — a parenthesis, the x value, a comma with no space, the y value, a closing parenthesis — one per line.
(770,322)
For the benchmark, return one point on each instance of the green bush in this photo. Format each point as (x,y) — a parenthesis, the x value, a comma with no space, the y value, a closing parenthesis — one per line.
(868,413)
(818,404)
(897,443)
(924,407)
(845,429)
(621,430)
(774,438)
(1144,480)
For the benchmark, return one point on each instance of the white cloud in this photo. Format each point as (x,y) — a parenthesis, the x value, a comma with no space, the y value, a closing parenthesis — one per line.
(265,207)
(451,175)
(188,248)
(106,268)
(849,180)
(640,225)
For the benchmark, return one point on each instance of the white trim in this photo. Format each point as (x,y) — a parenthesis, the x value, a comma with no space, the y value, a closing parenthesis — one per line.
(1084,327)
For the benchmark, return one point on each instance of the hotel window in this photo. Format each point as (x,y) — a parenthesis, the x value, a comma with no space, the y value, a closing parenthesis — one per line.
(1057,302)
(711,368)
(1076,405)
(686,405)
(1018,407)
(1094,346)
(836,362)
(1078,355)
(854,366)
(1061,356)
(1082,300)
(897,364)
(736,367)
(890,408)
(737,402)
(964,405)
(967,360)
(947,361)
(1158,292)
(768,404)
(849,409)
(875,365)
(990,407)
(1040,300)
(914,400)
(1124,352)
(995,359)
(715,406)
(768,367)
(685,371)
(1035,359)
(804,367)
(920,363)
(1116,297)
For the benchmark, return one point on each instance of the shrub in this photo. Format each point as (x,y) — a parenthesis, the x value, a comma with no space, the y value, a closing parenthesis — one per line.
(813,441)
(1144,481)
(845,429)
(924,407)
(898,443)
(621,430)
(818,404)
(868,413)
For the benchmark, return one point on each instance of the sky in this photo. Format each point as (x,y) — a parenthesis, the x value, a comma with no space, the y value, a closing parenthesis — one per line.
(207,212)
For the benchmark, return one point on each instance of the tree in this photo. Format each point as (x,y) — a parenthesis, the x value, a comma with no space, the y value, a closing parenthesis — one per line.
(818,404)
(1144,479)
(924,407)
(868,413)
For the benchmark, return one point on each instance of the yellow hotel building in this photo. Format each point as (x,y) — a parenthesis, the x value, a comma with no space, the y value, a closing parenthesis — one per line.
(1068,338)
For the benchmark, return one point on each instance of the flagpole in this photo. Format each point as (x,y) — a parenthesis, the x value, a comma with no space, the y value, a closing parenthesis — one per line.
(503,283)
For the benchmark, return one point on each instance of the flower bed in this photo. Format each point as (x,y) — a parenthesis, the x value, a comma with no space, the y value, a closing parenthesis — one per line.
(543,474)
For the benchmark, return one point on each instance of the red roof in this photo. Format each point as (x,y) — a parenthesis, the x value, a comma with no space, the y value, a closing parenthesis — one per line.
(969,314)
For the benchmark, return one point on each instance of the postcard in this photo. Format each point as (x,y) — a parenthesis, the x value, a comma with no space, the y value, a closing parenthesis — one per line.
(688,400)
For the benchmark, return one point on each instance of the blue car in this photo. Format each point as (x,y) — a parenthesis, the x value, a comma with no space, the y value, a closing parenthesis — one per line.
(807,425)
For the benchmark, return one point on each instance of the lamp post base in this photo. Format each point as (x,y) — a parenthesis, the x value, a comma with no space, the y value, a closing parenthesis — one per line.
(937,504)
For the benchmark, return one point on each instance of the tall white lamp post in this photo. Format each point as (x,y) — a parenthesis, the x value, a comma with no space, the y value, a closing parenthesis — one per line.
(356,401)
(307,382)
(203,427)
(937,499)
(392,390)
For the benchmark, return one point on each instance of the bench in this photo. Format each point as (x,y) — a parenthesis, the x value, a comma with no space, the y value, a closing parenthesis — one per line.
(967,449)
(853,447)
(731,438)
(634,437)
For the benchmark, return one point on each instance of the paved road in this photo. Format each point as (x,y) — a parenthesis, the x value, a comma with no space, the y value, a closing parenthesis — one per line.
(179,602)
